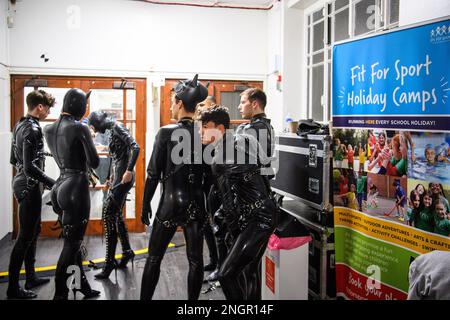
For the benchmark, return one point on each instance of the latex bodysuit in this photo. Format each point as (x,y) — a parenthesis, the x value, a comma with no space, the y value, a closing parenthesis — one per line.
(124,152)
(250,213)
(259,128)
(214,233)
(27,155)
(181,204)
(71,145)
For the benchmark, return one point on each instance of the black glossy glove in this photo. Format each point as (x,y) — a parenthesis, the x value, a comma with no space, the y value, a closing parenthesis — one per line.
(146,214)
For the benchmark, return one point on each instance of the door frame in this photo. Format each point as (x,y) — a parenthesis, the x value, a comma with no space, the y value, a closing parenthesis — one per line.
(214,89)
(87,83)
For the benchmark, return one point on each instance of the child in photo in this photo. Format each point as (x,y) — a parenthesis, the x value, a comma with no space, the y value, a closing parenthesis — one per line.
(379,146)
(351,198)
(413,210)
(420,188)
(393,161)
(343,187)
(430,154)
(361,182)
(372,197)
(438,193)
(350,156)
(441,221)
(361,155)
(338,152)
(400,201)
(425,220)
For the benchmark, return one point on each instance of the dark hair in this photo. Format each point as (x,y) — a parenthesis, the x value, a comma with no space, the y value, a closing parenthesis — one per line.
(216,114)
(441,193)
(415,211)
(189,107)
(255,94)
(430,194)
(419,184)
(36,97)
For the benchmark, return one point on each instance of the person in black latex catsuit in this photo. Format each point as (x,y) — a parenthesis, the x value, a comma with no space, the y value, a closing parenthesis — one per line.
(124,152)
(248,206)
(252,105)
(214,237)
(71,145)
(182,199)
(27,155)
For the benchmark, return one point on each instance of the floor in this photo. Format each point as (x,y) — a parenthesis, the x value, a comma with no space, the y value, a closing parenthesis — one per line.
(172,283)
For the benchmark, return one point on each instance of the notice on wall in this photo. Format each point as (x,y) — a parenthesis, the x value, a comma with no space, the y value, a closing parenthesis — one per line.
(391,157)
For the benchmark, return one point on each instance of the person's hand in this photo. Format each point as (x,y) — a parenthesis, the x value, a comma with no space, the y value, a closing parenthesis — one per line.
(106,185)
(127,177)
(386,154)
(146,214)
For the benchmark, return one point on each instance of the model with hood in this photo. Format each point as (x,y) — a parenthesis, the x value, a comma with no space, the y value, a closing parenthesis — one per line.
(124,152)
(72,147)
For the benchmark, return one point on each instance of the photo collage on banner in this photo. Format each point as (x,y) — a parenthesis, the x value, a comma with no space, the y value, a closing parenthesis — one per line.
(391,158)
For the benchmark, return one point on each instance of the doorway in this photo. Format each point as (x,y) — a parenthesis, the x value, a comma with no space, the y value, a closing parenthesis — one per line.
(124,100)
(226,93)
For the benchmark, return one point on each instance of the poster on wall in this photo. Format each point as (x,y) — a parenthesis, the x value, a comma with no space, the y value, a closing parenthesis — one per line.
(391,154)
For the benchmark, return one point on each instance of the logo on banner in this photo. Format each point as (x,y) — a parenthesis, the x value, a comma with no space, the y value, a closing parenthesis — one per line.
(440,34)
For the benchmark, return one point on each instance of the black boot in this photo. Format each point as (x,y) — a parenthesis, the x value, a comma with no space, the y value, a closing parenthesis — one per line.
(30,258)
(126,257)
(19,293)
(109,223)
(107,269)
(86,289)
(128,254)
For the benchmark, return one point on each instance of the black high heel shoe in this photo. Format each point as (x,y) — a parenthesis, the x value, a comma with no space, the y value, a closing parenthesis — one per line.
(107,269)
(126,257)
(86,290)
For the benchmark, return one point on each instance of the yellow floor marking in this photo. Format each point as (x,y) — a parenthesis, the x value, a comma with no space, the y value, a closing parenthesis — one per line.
(85,263)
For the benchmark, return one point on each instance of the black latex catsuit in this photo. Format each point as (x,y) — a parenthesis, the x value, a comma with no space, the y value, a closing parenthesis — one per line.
(259,128)
(71,145)
(124,152)
(214,233)
(27,155)
(181,204)
(250,212)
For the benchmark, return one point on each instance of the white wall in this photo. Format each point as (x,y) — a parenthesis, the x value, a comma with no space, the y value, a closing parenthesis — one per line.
(131,38)
(133,35)
(5,135)
(274,107)
(414,11)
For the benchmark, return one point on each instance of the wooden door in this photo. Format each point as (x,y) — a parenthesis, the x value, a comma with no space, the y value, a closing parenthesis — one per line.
(123,99)
(222,90)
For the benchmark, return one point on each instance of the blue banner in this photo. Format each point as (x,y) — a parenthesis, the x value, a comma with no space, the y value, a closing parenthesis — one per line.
(401,73)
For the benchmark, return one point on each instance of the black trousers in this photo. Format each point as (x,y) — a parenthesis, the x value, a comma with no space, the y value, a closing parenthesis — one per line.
(159,240)
(29,228)
(239,275)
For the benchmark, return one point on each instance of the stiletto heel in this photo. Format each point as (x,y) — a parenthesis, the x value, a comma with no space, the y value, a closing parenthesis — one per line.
(107,269)
(126,257)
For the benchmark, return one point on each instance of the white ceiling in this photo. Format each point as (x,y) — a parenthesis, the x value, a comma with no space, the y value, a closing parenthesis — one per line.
(246,3)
